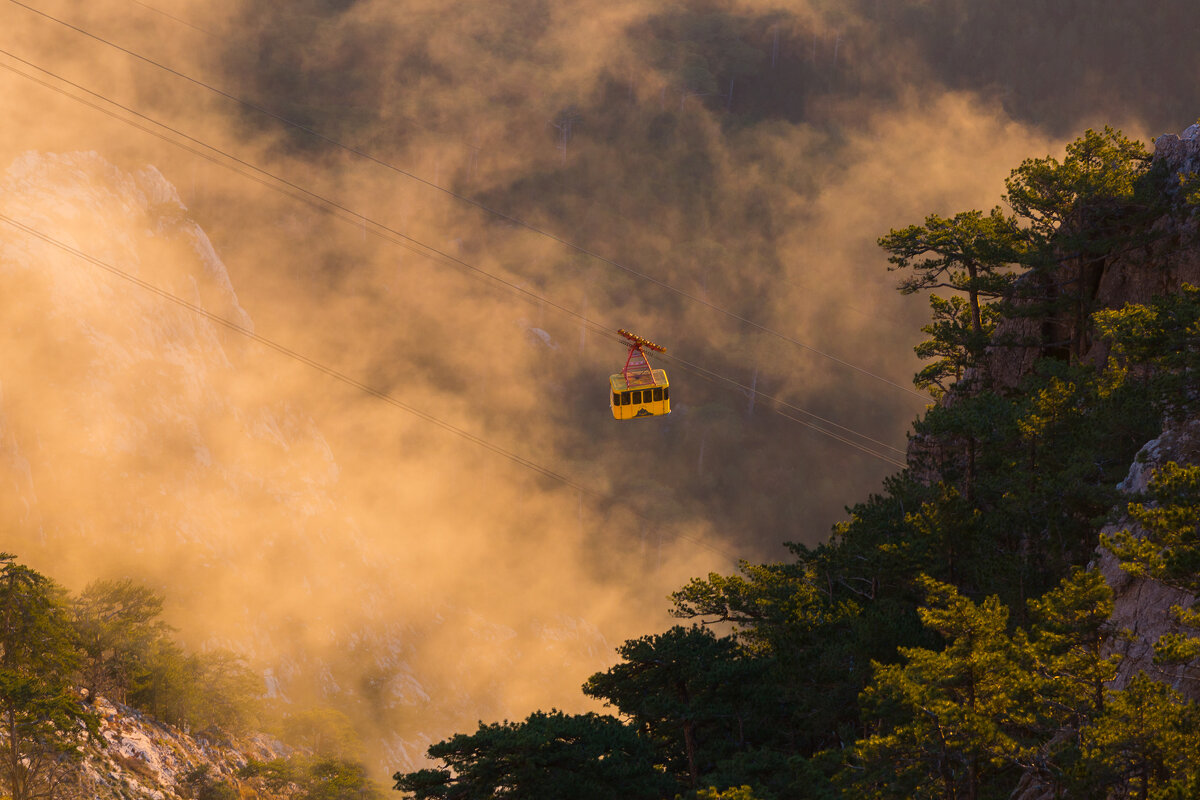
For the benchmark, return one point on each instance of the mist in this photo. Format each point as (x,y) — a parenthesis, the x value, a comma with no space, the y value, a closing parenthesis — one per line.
(455,205)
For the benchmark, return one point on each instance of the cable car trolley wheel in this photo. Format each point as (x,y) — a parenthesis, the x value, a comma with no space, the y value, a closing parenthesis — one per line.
(639,390)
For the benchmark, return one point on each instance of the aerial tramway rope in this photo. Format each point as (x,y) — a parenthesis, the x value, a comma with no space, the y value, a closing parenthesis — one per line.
(344,378)
(394,236)
(475,203)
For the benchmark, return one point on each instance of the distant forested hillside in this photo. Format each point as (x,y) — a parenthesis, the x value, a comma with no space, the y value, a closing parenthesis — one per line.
(97,700)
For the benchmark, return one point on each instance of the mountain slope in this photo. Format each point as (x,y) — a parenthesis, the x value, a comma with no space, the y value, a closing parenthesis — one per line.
(139,438)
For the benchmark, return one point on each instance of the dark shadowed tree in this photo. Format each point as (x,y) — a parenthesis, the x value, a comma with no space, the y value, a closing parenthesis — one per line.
(1081,212)
(689,692)
(549,755)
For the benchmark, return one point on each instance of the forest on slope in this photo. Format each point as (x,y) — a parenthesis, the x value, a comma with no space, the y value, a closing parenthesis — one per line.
(97,700)
(954,638)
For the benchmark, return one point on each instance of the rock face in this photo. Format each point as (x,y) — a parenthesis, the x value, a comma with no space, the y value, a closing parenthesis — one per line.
(142,759)
(1169,258)
(1142,608)
(1180,151)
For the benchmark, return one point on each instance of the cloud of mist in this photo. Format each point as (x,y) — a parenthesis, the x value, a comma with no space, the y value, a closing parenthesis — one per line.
(360,551)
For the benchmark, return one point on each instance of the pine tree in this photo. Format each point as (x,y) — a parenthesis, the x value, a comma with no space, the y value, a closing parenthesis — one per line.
(42,720)
(968,252)
(1144,745)
(1070,675)
(1167,550)
(953,341)
(1160,340)
(1079,213)
(944,719)
(313,778)
(688,691)
(117,625)
(585,757)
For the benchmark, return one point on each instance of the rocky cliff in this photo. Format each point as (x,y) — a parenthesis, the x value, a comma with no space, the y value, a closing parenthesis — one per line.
(1169,258)
(1141,608)
(1165,257)
(139,758)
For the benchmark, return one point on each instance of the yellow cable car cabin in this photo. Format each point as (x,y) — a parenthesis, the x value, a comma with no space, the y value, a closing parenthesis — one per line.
(637,390)
(646,399)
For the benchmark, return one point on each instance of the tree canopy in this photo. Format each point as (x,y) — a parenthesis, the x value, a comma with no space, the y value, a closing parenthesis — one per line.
(587,756)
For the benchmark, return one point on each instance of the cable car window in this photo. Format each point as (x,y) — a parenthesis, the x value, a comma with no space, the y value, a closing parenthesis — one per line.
(657,394)
(666,393)
(637,396)
(624,398)
(616,401)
